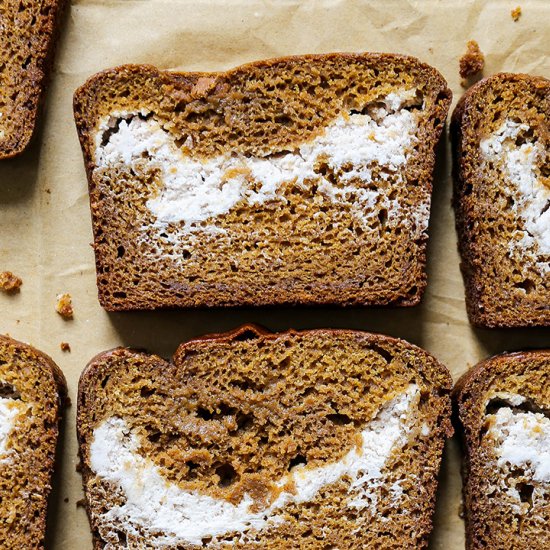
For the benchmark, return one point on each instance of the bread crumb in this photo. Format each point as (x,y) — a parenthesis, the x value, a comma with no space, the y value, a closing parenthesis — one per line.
(9,282)
(65,346)
(81,503)
(516,13)
(473,61)
(64,306)
(66,499)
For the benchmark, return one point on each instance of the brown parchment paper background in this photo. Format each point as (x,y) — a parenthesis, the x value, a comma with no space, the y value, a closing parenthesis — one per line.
(45,229)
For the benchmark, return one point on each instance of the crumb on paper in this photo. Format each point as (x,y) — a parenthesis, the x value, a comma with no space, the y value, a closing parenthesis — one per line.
(473,61)
(9,282)
(516,13)
(65,346)
(81,503)
(64,306)
(66,499)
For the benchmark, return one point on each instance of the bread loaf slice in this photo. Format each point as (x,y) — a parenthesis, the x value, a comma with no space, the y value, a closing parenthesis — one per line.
(502,199)
(315,439)
(32,390)
(28,32)
(296,180)
(503,406)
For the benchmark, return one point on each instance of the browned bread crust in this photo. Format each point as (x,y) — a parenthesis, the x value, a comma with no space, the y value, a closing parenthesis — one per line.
(229,414)
(27,40)
(494,517)
(28,378)
(298,247)
(507,282)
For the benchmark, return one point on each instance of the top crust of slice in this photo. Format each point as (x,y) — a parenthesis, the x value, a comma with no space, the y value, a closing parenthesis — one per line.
(500,137)
(31,382)
(27,38)
(519,384)
(212,396)
(285,226)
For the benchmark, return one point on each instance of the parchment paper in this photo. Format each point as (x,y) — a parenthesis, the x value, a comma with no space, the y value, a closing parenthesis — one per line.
(45,228)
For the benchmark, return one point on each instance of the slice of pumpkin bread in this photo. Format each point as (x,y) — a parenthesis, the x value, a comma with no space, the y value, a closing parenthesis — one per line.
(502,199)
(503,406)
(28,32)
(314,439)
(32,390)
(295,180)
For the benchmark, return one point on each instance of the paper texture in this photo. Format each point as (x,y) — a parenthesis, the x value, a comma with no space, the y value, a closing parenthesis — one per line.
(45,228)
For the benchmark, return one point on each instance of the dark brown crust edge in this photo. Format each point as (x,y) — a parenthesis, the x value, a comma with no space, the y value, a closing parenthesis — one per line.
(95,368)
(91,372)
(50,35)
(82,107)
(50,368)
(492,367)
(460,119)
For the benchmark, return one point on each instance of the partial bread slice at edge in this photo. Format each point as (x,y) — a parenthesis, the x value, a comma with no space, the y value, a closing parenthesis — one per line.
(29,35)
(143,409)
(32,394)
(502,410)
(499,133)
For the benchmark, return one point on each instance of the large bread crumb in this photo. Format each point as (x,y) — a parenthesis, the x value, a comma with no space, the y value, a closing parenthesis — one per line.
(9,282)
(473,61)
(64,306)
(516,13)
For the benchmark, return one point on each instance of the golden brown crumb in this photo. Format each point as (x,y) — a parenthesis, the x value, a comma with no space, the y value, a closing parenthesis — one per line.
(516,13)
(473,61)
(65,346)
(64,306)
(9,282)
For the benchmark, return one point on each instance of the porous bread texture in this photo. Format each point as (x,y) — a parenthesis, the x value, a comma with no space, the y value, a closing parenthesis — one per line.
(503,406)
(32,390)
(27,38)
(502,199)
(153,506)
(295,180)
(291,440)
